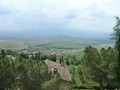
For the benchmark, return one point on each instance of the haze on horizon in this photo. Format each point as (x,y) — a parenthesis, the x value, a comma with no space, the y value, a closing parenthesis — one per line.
(58,17)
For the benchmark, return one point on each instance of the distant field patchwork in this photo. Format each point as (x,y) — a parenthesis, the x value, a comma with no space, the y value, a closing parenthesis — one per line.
(69,44)
(12,44)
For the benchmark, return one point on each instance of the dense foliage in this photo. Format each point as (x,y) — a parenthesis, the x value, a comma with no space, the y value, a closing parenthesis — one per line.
(116,37)
(24,74)
(100,65)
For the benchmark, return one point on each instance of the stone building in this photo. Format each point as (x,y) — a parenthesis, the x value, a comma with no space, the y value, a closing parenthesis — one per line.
(61,69)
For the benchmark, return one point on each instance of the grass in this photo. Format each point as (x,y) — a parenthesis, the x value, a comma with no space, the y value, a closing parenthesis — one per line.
(12,44)
(78,53)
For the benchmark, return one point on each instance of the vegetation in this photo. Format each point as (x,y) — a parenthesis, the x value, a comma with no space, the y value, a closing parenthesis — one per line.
(91,67)
(52,84)
(12,44)
(116,37)
(24,74)
(100,65)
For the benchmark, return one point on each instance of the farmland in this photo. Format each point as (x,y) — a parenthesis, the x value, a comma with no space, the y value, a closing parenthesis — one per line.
(63,43)
(69,45)
(12,44)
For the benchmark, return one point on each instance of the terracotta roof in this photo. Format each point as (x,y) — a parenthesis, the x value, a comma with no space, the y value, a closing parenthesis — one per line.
(63,71)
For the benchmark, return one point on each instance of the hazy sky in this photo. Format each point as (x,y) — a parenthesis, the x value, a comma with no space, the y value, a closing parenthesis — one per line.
(58,15)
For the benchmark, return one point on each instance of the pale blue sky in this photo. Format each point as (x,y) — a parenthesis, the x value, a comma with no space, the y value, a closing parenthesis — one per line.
(58,15)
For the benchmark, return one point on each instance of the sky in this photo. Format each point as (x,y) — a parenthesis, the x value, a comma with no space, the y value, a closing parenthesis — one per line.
(58,15)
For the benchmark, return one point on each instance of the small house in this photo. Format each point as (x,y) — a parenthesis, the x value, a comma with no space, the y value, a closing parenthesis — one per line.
(10,57)
(61,69)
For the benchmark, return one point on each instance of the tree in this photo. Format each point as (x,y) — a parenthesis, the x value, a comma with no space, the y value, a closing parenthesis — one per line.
(7,76)
(92,60)
(53,83)
(67,62)
(12,52)
(52,57)
(100,65)
(3,53)
(116,37)
(109,61)
(32,74)
(21,73)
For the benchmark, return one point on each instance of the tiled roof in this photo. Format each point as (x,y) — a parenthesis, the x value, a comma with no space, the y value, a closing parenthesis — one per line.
(62,70)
